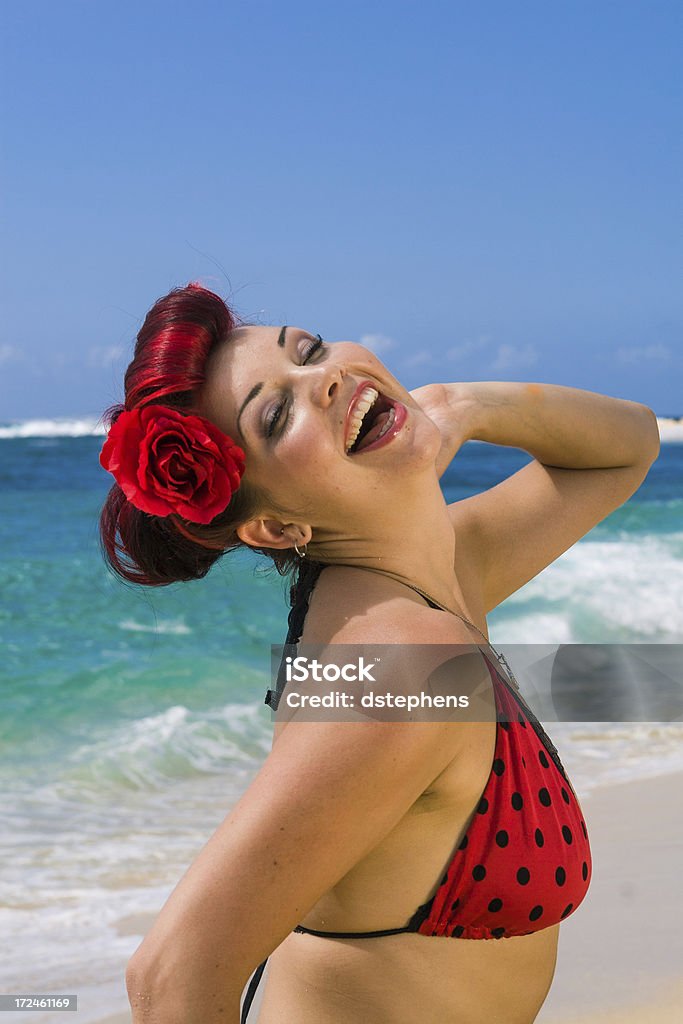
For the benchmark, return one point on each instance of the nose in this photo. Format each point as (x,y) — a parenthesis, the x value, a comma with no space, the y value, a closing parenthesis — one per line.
(327,385)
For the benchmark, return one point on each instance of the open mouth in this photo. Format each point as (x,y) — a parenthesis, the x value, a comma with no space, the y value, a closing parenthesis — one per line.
(372,416)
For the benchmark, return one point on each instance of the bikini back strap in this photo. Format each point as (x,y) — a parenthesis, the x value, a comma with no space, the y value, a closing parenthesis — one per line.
(251,991)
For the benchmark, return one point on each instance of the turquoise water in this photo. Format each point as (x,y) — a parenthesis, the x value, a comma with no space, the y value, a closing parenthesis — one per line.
(131,720)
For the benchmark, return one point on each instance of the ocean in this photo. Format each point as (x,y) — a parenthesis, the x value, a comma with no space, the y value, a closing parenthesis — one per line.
(131,720)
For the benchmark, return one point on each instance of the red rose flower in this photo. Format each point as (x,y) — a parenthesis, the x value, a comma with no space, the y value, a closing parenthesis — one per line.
(167,462)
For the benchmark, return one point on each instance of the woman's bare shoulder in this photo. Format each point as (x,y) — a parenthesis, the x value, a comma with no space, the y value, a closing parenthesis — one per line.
(354,605)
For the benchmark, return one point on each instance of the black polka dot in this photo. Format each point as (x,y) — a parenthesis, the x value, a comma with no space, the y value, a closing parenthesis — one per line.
(523,762)
(560,876)
(584,871)
(538,836)
(457,931)
(523,876)
(497,933)
(502,838)
(463,844)
(544,797)
(444,879)
(479,873)
(565,795)
(517,802)
(583,829)
(505,725)
(483,806)
(495,905)
(455,905)
(567,910)
(499,766)
(521,721)
(543,759)
(567,835)
(536,913)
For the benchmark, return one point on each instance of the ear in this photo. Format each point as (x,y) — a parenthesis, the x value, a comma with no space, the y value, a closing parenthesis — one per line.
(272,533)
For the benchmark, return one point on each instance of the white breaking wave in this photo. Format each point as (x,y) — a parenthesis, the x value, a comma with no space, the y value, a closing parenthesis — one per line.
(84,426)
(631,591)
(151,752)
(670,429)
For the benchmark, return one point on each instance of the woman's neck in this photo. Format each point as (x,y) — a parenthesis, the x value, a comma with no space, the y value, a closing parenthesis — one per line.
(416,547)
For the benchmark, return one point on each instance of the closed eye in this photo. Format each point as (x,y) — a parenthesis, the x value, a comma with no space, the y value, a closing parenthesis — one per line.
(314,346)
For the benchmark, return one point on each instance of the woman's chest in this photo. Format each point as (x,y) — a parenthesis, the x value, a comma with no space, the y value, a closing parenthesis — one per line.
(402,872)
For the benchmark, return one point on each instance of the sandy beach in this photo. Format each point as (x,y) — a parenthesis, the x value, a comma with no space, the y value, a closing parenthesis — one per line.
(620,955)
(619,960)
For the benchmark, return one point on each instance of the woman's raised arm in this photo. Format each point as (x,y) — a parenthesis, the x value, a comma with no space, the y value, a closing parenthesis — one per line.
(590,453)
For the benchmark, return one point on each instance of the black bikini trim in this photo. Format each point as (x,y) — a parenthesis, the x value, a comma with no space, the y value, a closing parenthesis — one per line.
(351,935)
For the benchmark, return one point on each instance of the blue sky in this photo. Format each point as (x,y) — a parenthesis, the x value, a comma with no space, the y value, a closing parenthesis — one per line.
(483,191)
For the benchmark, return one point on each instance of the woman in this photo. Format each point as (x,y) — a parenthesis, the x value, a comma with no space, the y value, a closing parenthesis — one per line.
(392,872)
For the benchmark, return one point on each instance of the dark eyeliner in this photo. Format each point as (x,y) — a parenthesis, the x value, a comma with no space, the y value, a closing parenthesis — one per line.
(274,418)
(314,347)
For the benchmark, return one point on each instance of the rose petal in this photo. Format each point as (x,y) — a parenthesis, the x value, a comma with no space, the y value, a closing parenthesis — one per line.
(166,462)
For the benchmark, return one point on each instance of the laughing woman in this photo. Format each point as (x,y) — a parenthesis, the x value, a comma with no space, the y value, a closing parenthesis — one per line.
(390,872)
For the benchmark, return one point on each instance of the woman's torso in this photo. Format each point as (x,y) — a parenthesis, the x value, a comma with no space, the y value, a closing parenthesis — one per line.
(409,977)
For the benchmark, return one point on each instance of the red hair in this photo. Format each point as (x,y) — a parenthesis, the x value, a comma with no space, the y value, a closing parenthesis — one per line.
(173,346)
(169,366)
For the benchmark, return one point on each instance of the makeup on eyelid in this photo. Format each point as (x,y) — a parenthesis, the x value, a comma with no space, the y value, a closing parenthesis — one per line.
(274,417)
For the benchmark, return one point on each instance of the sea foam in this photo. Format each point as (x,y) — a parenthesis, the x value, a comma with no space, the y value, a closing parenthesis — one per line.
(83,426)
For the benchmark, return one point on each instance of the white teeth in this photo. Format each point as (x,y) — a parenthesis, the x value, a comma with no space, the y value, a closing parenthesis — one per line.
(389,423)
(366,401)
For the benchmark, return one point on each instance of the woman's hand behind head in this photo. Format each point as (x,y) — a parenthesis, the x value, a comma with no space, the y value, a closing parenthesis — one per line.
(447,405)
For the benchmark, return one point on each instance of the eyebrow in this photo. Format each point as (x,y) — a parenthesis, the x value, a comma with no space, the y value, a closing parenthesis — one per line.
(257,387)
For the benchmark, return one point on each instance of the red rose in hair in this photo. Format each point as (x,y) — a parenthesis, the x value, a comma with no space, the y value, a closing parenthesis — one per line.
(167,462)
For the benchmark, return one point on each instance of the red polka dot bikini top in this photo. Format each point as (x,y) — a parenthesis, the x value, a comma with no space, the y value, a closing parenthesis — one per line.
(524,862)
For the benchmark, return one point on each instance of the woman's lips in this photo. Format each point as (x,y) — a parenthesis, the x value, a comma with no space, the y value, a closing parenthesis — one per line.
(400,416)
